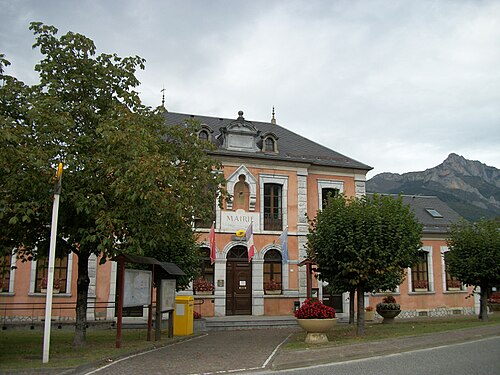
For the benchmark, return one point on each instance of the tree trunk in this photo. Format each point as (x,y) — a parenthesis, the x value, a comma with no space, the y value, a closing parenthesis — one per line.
(352,295)
(483,303)
(82,291)
(360,329)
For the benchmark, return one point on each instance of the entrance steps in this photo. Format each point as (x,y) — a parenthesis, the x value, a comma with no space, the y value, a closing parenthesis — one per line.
(249,322)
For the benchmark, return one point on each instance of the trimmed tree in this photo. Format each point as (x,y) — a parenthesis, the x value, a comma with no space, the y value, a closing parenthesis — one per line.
(130,183)
(474,257)
(365,243)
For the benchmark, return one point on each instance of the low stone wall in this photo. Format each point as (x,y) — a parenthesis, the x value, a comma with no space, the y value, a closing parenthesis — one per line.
(439,312)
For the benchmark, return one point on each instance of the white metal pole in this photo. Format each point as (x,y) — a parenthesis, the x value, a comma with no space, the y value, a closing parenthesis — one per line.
(50,271)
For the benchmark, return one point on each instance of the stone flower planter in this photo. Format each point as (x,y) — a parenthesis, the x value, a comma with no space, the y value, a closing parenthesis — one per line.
(388,315)
(272,292)
(203,292)
(316,329)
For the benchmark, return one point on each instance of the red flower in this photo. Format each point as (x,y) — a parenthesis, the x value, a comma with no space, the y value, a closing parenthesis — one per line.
(312,308)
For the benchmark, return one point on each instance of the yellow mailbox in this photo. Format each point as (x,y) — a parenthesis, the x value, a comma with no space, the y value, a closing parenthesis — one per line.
(183,315)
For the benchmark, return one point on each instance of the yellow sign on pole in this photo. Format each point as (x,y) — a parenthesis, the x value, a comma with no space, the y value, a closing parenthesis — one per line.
(59,171)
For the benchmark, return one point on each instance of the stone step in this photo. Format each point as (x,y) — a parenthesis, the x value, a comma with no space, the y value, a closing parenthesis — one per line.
(249,322)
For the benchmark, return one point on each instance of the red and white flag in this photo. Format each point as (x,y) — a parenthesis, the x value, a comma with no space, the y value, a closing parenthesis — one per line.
(213,249)
(250,245)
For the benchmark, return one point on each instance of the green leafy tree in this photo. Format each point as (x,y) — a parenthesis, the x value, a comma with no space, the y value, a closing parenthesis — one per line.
(364,244)
(474,257)
(130,184)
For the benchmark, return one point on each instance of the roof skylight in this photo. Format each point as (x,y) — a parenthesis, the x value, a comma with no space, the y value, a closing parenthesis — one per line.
(434,213)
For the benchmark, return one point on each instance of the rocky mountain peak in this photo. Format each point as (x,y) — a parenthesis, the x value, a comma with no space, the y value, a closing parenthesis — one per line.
(468,186)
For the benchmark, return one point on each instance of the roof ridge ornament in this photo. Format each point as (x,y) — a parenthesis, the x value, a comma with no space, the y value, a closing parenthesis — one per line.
(273,119)
(163,98)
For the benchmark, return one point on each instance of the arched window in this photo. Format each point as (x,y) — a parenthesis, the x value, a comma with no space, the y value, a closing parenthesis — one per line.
(241,194)
(269,145)
(272,271)
(206,266)
(203,135)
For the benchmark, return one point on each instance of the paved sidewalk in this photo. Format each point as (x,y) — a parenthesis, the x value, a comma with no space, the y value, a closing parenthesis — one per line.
(215,351)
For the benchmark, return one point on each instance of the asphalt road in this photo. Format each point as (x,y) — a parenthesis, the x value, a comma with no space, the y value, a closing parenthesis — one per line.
(480,357)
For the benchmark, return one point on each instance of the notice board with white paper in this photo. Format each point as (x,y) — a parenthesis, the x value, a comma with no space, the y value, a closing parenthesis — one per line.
(137,288)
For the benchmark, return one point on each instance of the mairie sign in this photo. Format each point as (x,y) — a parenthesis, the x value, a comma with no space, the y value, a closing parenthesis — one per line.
(232,221)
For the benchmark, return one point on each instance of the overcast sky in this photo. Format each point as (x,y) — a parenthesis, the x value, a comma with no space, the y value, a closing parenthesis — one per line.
(397,85)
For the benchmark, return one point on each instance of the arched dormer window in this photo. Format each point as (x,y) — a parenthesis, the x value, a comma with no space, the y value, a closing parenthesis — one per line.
(269,143)
(203,135)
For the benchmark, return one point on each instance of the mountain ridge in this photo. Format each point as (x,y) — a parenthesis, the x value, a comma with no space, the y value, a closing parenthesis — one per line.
(469,187)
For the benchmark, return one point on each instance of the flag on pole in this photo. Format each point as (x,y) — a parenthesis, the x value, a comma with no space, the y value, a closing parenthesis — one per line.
(284,245)
(213,250)
(250,245)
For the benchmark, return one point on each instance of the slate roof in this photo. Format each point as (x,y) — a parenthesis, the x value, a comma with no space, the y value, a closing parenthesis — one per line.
(291,146)
(419,204)
(438,225)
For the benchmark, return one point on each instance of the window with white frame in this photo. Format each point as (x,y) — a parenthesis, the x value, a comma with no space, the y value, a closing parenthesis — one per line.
(206,266)
(328,189)
(450,283)
(421,275)
(62,274)
(272,271)
(6,262)
(273,205)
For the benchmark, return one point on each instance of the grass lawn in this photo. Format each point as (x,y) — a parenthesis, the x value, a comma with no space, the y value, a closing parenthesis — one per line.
(344,334)
(22,348)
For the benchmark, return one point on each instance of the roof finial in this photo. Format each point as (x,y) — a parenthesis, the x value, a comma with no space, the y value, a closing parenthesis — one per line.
(273,119)
(163,98)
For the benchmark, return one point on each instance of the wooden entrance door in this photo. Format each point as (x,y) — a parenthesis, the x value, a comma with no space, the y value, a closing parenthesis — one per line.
(239,282)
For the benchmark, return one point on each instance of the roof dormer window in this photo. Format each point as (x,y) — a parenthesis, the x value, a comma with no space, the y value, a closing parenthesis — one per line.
(203,135)
(240,135)
(269,143)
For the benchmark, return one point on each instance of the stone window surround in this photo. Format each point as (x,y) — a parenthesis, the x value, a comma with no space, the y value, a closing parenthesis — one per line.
(282,180)
(252,184)
(444,249)
(430,273)
(328,184)
(68,276)
(13,260)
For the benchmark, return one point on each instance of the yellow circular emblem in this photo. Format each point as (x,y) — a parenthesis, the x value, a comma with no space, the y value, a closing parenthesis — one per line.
(240,233)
